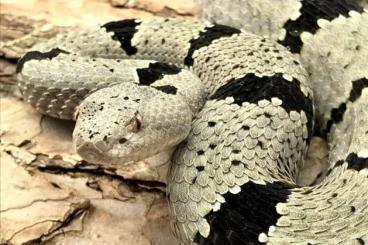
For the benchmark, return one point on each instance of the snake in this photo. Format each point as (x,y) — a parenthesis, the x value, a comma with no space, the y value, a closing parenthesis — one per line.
(236,102)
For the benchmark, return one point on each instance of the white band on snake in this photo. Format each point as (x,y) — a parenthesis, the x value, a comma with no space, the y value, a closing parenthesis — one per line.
(241,118)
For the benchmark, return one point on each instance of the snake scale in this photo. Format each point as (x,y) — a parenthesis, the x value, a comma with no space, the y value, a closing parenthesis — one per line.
(240,114)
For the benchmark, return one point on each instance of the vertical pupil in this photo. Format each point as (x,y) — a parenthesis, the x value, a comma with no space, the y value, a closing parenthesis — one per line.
(138,122)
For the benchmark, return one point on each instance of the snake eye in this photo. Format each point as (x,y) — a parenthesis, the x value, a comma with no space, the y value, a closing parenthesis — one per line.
(136,122)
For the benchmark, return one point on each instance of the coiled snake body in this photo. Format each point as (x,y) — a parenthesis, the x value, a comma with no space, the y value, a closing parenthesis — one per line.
(243,120)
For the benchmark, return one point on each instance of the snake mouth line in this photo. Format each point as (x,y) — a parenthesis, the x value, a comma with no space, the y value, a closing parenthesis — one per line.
(89,151)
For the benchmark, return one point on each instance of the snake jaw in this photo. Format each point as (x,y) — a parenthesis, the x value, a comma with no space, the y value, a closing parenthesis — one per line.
(102,146)
(116,147)
(88,151)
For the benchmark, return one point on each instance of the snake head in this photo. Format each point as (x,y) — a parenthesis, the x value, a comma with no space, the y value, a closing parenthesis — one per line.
(127,122)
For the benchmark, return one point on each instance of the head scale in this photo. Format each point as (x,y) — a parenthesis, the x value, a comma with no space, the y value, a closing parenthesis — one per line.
(127,122)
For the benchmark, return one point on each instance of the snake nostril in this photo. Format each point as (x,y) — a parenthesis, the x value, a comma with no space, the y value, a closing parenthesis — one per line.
(122,140)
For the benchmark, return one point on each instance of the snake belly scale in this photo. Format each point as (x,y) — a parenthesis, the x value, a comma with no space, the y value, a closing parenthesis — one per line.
(240,117)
